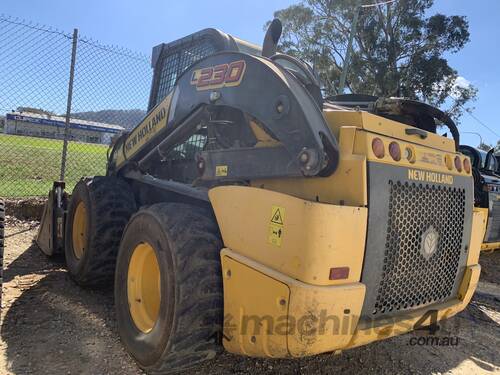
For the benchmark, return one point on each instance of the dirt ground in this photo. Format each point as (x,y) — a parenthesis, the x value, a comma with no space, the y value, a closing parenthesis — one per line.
(51,326)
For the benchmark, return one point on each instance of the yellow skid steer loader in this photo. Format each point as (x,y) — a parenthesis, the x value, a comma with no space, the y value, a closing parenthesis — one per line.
(247,212)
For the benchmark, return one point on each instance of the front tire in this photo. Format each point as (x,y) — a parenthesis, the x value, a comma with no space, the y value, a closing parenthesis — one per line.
(168,287)
(99,210)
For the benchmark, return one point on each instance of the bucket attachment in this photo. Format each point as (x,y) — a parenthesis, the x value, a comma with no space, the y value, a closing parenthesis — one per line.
(50,237)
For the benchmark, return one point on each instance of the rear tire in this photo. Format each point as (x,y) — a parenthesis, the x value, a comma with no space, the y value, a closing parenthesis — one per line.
(97,214)
(186,323)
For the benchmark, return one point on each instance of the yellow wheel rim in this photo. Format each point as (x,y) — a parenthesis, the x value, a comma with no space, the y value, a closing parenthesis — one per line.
(143,287)
(80,230)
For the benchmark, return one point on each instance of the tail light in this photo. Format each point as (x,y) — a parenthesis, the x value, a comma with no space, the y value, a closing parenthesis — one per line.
(395,151)
(378,148)
(458,163)
(467,165)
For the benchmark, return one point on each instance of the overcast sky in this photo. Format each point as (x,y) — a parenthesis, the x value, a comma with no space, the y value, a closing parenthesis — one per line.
(139,25)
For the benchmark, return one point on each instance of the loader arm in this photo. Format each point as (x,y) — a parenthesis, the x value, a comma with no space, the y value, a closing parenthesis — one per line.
(265,93)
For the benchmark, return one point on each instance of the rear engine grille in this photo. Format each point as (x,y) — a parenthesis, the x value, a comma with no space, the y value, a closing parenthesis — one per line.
(410,276)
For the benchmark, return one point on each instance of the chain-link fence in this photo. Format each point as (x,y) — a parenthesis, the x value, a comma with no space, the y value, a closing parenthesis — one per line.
(110,94)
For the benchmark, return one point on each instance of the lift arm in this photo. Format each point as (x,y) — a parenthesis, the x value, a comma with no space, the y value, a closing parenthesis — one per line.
(258,87)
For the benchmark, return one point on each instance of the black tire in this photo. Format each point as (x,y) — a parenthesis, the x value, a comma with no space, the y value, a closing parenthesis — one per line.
(188,330)
(109,203)
(2,223)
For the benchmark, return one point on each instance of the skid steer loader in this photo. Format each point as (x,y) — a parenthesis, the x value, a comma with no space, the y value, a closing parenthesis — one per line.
(486,192)
(247,212)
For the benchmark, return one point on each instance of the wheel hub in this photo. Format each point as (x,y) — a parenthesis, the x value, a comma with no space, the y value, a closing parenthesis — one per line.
(143,287)
(80,230)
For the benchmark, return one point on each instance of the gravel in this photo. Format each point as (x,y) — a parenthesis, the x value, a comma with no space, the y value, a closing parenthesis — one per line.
(51,326)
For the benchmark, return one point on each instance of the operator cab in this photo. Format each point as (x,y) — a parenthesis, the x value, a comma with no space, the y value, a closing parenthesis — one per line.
(170,60)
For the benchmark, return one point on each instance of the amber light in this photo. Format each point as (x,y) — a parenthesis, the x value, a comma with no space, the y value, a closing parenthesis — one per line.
(378,148)
(339,273)
(467,165)
(395,151)
(448,162)
(458,163)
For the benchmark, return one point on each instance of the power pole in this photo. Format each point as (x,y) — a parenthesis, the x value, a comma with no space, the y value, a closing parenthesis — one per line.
(347,58)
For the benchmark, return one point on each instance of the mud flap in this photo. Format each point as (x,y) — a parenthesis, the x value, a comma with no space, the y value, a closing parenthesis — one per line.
(50,237)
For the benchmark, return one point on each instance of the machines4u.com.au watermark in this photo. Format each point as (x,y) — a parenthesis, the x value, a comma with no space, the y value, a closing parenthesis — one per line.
(321,323)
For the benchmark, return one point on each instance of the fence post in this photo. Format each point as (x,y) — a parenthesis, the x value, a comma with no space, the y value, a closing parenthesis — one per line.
(68,104)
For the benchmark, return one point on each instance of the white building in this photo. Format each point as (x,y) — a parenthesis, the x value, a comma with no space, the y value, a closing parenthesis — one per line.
(51,126)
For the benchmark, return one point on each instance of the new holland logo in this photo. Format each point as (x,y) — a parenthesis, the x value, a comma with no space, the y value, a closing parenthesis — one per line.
(430,241)
(440,178)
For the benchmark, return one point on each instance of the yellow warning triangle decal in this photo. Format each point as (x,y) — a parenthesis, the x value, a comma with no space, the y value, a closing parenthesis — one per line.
(277,218)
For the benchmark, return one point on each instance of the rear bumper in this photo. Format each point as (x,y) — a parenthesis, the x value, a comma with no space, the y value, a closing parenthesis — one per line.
(279,300)
(374,331)
(268,314)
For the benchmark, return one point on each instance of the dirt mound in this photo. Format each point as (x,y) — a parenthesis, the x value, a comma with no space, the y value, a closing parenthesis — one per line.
(25,208)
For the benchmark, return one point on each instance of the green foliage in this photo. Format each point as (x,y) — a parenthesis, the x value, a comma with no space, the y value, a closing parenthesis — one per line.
(398,50)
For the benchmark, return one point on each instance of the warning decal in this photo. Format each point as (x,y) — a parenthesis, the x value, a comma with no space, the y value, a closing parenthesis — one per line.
(221,170)
(275,232)
(277,215)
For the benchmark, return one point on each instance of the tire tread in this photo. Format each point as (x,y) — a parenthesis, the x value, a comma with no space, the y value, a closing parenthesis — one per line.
(112,203)
(196,332)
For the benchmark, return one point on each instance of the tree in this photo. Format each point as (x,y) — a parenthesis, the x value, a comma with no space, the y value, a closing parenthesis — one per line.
(398,50)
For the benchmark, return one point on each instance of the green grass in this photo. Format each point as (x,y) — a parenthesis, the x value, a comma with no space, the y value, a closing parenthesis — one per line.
(29,165)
